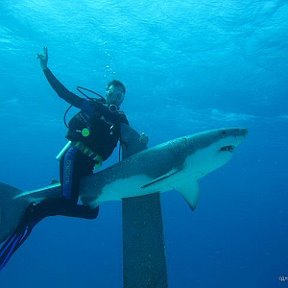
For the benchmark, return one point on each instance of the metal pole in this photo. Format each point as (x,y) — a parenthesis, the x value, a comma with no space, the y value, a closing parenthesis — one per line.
(144,262)
(143,243)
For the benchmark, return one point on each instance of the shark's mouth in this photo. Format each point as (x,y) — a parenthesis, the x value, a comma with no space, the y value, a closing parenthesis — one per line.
(228,148)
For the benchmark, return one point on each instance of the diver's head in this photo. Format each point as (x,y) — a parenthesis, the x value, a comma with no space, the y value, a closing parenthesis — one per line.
(115,93)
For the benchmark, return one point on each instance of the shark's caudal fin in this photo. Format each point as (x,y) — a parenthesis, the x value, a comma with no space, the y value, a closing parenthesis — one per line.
(11,210)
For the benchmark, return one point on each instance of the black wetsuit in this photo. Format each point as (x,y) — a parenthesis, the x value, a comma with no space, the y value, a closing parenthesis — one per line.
(104,133)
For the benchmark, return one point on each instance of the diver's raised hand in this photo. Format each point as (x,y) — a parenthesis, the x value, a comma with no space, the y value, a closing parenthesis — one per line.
(43,58)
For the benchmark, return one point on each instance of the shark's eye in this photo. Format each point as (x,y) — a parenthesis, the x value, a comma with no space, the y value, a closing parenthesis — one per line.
(228,148)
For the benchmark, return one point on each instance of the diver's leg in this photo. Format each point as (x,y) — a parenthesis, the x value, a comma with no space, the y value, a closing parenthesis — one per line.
(64,207)
(67,177)
(73,167)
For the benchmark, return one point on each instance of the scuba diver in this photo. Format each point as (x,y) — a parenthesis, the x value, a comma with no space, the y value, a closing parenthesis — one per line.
(93,134)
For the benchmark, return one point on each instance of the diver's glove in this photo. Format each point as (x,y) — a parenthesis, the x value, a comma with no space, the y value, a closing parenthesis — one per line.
(143,139)
(43,58)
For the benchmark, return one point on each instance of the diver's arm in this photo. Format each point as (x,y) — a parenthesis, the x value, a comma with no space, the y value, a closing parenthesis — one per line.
(123,119)
(142,137)
(59,88)
(131,141)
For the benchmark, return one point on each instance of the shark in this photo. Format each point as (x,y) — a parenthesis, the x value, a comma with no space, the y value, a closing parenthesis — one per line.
(178,165)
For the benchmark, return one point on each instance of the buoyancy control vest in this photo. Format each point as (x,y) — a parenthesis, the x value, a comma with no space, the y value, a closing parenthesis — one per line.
(99,129)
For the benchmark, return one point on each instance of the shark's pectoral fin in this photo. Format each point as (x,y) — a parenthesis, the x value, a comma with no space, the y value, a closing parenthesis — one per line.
(190,192)
(161,178)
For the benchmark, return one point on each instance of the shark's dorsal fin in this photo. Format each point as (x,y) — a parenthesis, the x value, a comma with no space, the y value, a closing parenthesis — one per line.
(162,177)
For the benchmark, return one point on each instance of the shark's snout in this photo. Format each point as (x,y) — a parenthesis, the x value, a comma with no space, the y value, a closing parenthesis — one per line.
(243,132)
(236,132)
(234,136)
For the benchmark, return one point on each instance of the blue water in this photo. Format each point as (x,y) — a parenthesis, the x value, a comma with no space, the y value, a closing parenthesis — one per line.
(188,66)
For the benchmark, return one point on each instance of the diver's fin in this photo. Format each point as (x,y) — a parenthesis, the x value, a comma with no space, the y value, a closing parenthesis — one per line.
(162,177)
(190,192)
(13,243)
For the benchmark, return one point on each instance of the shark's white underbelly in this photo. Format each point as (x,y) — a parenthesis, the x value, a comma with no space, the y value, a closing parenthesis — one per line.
(124,188)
